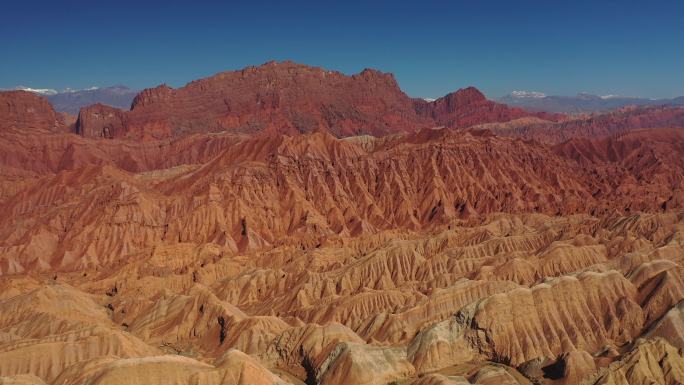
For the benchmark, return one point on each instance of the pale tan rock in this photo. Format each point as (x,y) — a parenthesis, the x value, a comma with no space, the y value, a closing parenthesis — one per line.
(670,327)
(562,315)
(48,356)
(439,346)
(439,305)
(55,326)
(232,368)
(197,316)
(438,379)
(661,286)
(493,376)
(577,365)
(21,379)
(351,363)
(303,350)
(650,362)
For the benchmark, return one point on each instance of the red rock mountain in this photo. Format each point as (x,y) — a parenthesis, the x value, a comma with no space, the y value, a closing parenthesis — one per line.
(287,97)
(267,190)
(468,107)
(23,110)
(591,126)
(283,97)
(548,254)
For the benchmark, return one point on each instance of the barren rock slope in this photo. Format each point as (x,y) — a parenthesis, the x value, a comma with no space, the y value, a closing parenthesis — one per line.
(426,257)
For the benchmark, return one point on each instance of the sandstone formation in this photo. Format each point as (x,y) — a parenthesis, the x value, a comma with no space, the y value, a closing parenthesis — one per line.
(593,126)
(196,302)
(21,379)
(312,188)
(234,367)
(25,111)
(650,362)
(616,318)
(289,98)
(283,97)
(223,246)
(469,107)
(99,120)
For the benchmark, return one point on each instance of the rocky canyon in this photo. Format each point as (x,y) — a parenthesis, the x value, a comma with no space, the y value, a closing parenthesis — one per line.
(286,224)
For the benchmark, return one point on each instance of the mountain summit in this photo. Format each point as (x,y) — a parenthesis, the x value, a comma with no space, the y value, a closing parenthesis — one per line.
(289,97)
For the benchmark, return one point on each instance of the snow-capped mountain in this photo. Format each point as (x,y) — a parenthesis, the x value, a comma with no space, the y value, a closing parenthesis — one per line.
(527,94)
(580,103)
(71,100)
(41,91)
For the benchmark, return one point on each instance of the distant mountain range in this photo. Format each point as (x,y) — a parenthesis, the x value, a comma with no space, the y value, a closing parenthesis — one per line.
(288,97)
(71,100)
(581,103)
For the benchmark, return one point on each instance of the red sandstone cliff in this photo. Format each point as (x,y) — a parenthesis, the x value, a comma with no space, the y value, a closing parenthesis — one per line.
(23,111)
(468,107)
(288,98)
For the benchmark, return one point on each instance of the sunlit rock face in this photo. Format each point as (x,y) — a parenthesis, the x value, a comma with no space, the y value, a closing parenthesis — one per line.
(423,256)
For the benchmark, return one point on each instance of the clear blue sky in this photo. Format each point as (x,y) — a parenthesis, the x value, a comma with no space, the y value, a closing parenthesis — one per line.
(433,47)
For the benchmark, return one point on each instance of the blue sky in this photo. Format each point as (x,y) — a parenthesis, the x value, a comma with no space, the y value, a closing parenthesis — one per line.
(433,47)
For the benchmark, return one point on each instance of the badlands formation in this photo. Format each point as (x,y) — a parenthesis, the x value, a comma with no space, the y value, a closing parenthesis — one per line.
(285,224)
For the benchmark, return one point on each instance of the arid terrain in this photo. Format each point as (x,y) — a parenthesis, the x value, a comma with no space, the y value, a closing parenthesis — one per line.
(286,224)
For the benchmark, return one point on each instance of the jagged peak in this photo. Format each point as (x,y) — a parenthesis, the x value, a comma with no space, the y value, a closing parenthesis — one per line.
(469,93)
(148,95)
